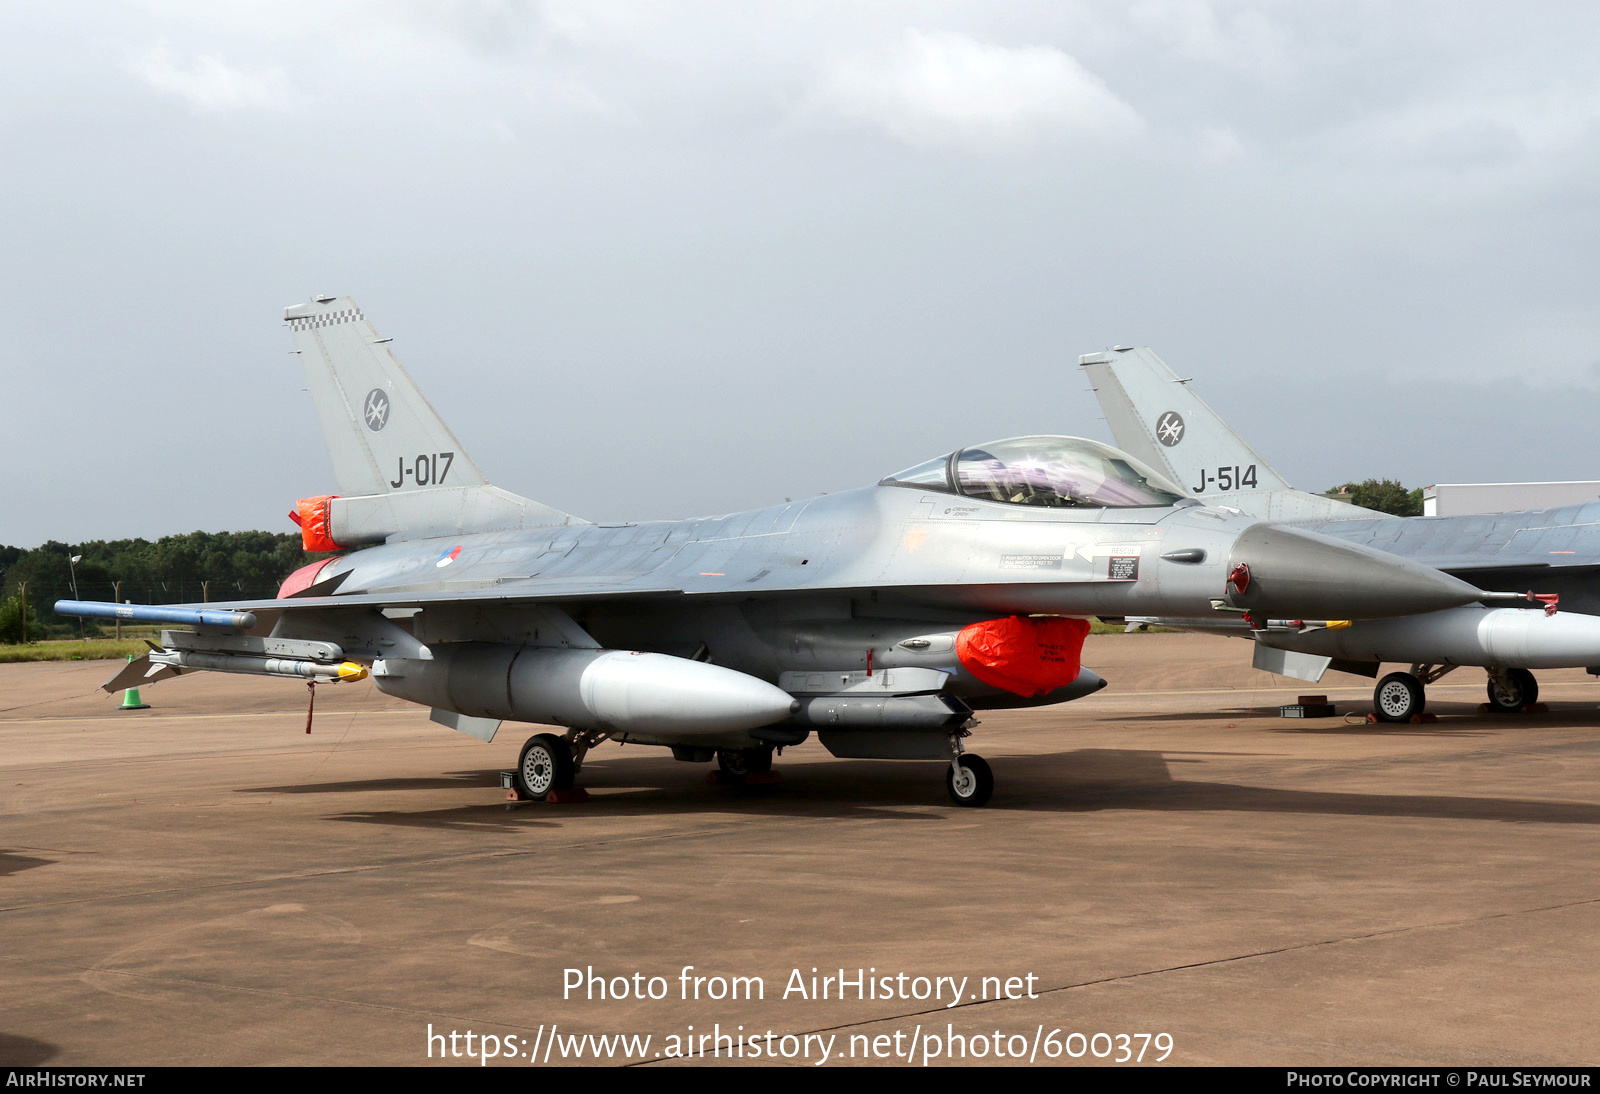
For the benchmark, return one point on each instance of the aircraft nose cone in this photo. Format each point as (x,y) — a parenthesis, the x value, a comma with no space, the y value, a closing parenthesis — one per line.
(1305,575)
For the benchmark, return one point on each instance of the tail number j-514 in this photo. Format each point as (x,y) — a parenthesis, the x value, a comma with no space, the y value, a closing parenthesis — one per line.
(429,469)
(1223,479)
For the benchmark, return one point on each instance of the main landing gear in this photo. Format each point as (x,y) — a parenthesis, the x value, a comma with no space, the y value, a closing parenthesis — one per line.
(1397,697)
(1512,689)
(545,764)
(1400,695)
(549,763)
(739,763)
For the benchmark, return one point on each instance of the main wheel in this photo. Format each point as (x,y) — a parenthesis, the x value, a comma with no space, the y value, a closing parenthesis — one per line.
(1397,697)
(745,761)
(1512,691)
(545,765)
(972,783)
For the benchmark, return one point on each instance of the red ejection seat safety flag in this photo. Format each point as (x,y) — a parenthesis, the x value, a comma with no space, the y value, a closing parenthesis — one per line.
(1024,656)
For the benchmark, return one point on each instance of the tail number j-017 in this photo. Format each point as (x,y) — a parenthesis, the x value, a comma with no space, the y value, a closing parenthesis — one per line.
(1223,479)
(428,469)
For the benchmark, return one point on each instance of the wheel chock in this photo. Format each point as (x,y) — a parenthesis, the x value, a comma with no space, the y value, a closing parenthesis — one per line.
(572,795)
(1536,708)
(1372,719)
(1423,719)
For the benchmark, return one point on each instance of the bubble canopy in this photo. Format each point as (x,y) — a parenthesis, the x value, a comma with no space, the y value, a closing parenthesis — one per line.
(1057,472)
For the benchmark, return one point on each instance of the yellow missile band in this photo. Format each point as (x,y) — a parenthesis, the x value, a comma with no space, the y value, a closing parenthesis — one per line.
(352,671)
(1338,624)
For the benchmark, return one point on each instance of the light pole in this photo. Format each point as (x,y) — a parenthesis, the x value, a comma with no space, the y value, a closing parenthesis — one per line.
(72,564)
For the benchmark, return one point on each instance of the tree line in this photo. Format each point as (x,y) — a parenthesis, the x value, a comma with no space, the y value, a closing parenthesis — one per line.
(182,569)
(1384,495)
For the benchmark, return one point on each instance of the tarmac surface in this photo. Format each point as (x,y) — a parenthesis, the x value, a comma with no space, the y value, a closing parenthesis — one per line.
(203,883)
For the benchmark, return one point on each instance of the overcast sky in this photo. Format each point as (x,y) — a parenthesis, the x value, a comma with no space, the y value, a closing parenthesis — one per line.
(657,259)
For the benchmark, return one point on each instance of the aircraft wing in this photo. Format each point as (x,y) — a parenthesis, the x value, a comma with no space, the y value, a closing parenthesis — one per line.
(989,599)
(1544,541)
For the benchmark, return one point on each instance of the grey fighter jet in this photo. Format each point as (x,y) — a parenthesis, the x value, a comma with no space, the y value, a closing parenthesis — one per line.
(879,618)
(1553,554)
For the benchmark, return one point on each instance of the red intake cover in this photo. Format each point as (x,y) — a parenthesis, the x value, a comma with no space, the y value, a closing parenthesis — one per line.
(303,578)
(1024,656)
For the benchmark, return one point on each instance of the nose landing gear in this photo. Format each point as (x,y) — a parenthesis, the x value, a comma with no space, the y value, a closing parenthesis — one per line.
(968,779)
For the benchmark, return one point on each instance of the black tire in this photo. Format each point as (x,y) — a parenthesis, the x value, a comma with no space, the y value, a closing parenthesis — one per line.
(744,761)
(975,786)
(544,765)
(1397,697)
(1517,690)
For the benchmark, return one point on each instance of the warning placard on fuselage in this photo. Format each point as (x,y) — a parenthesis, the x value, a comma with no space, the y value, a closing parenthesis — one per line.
(1030,562)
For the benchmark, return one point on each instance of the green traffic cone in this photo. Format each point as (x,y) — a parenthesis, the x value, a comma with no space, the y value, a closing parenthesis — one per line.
(130,696)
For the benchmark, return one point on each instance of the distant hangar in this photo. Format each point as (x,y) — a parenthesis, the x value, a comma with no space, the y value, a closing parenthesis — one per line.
(1455,499)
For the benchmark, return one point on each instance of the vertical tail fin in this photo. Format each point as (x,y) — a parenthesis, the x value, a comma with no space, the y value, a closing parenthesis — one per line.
(1155,416)
(381,431)
(402,472)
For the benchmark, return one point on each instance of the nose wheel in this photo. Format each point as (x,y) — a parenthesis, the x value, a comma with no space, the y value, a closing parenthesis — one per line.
(969,780)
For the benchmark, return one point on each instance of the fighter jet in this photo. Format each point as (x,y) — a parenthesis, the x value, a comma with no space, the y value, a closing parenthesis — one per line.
(881,619)
(1552,554)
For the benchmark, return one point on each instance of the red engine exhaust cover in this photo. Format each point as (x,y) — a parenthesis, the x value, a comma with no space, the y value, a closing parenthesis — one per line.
(315,518)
